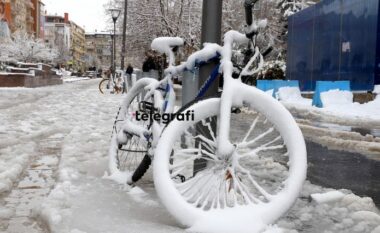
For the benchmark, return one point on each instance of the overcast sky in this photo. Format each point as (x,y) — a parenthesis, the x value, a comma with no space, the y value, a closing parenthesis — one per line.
(86,13)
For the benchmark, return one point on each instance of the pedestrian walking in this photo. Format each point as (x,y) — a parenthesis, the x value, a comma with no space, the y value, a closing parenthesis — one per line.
(128,77)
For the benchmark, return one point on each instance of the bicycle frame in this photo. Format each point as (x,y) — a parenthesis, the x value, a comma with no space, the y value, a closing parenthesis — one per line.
(230,88)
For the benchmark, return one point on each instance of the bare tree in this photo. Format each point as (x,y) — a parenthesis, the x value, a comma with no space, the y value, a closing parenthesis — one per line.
(149,19)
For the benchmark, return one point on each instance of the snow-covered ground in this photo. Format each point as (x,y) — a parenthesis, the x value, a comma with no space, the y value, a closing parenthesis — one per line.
(70,79)
(83,201)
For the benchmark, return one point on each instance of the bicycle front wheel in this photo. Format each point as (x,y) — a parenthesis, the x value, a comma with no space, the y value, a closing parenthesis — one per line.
(104,86)
(248,189)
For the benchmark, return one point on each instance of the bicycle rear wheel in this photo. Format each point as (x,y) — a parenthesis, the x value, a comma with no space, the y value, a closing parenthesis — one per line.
(128,160)
(250,188)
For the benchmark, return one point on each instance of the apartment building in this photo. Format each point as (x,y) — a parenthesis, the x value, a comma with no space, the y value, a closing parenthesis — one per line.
(68,38)
(25,15)
(57,34)
(99,49)
(77,46)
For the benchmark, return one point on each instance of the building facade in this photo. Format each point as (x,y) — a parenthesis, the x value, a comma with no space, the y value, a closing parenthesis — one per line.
(22,16)
(68,38)
(58,36)
(25,16)
(77,46)
(99,49)
(38,15)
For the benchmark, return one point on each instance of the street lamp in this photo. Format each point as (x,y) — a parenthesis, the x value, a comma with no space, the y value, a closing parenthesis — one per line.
(115,13)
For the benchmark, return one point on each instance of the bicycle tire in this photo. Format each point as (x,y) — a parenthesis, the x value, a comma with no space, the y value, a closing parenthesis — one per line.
(188,211)
(141,169)
(133,168)
(103,85)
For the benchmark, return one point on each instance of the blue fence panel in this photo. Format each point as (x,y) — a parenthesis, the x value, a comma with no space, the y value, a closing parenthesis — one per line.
(339,44)
(301,53)
(357,60)
(263,85)
(275,85)
(326,37)
(323,86)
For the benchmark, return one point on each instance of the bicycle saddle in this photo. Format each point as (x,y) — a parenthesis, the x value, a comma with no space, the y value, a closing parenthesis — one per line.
(166,44)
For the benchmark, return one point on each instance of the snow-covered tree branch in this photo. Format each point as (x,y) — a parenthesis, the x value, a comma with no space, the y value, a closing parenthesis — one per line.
(25,48)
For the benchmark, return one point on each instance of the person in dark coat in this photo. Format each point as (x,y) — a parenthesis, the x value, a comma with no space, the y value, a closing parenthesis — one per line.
(129,69)
(128,77)
(149,64)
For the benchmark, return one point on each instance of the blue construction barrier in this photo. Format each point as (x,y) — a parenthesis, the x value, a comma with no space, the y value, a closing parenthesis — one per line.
(323,86)
(335,40)
(275,85)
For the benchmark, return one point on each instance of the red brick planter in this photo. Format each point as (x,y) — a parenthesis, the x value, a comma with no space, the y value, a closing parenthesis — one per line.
(26,80)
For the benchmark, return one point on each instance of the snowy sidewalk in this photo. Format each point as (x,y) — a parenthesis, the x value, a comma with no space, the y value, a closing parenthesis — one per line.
(82,201)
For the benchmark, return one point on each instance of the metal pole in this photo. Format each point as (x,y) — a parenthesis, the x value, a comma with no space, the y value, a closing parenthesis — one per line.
(211,32)
(114,51)
(111,48)
(123,50)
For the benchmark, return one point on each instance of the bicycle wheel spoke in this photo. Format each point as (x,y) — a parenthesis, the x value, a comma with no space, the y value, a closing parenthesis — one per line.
(206,140)
(197,188)
(133,149)
(209,127)
(253,126)
(264,147)
(247,144)
(255,184)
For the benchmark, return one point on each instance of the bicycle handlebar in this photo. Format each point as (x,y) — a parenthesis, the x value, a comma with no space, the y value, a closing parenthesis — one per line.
(248,5)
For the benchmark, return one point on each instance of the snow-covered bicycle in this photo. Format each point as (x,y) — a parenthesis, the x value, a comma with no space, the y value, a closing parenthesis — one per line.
(236,165)
(113,85)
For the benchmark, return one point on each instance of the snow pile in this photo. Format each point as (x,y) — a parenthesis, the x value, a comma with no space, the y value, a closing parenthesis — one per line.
(365,112)
(269,92)
(57,206)
(376,90)
(338,107)
(327,197)
(13,162)
(336,97)
(338,212)
(74,79)
(292,95)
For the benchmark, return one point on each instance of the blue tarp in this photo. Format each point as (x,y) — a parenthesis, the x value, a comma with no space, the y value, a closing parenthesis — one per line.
(266,85)
(323,86)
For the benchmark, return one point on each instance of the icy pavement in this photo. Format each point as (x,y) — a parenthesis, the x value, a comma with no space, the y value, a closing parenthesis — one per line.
(80,120)
(33,188)
(71,79)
